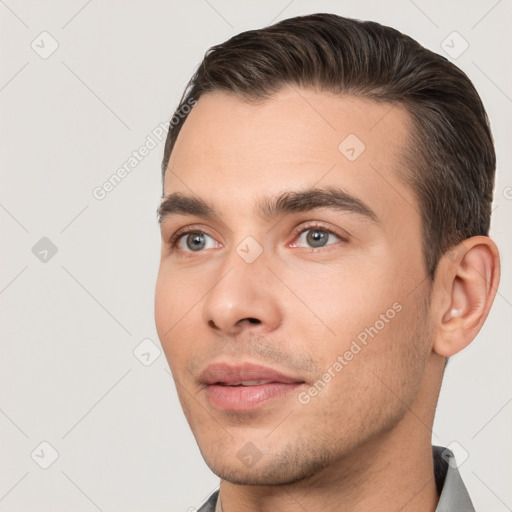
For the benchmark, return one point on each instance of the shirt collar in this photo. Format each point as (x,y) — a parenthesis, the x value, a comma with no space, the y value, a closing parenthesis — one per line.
(454,496)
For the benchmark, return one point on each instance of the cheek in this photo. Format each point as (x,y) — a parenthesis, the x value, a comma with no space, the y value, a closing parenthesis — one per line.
(175,304)
(371,321)
(345,297)
(164,306)
(177,293)
(382,368)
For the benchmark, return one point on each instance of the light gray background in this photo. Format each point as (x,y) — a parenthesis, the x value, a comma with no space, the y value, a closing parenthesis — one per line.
(70,325)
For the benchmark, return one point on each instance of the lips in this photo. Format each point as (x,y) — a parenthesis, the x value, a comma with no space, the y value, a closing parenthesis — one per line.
(245,386)
(232,375)
(249,383)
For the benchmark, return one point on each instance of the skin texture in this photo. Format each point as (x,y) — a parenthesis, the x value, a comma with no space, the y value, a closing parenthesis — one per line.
(363,442)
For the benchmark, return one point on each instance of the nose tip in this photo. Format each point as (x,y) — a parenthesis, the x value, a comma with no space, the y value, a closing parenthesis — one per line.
(244,298)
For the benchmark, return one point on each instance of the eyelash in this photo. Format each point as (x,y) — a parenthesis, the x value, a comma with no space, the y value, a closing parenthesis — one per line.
(296,233)
(312,226)
(185,231)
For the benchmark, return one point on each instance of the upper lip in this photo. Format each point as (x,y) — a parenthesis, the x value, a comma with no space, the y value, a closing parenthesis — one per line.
(224,373)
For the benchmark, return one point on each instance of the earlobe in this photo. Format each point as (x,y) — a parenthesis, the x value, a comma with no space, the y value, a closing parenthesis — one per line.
(468,285)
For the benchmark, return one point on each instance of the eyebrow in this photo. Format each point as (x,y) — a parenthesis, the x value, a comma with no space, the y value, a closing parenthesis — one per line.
(270,208)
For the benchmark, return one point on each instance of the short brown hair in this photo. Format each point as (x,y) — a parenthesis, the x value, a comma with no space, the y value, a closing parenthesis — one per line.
(451,160)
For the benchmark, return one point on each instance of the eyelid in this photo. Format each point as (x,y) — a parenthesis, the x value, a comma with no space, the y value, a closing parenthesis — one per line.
(197,228)
(193,228)
(341,234)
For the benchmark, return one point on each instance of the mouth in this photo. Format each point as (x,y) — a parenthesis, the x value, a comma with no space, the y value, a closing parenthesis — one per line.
(246,386)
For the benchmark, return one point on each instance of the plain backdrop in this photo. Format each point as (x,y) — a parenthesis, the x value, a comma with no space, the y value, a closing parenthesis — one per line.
(83,84)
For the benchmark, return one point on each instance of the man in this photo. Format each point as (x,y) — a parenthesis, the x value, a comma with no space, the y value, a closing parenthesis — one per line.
(324,226)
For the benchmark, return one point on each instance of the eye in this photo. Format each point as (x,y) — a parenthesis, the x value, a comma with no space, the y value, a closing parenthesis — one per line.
(315,238)
(194,241)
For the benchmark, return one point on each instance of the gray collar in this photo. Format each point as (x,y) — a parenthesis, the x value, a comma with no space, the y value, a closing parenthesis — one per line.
(454,496)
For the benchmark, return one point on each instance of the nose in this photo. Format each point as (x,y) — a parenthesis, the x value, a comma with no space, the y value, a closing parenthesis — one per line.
(243,298)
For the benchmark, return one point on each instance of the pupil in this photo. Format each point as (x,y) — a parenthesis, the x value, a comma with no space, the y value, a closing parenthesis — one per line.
(317,238)
(196,241)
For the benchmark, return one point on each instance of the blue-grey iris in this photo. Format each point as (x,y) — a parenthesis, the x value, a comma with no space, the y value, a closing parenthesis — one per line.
(317,238)
(196,241)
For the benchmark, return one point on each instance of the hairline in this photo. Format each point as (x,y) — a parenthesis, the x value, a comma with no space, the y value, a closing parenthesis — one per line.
(410,159)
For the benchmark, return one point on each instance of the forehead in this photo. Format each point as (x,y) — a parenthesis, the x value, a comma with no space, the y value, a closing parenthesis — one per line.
(232,151)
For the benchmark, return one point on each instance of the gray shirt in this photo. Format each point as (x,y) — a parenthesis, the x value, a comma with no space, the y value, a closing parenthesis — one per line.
(453,497)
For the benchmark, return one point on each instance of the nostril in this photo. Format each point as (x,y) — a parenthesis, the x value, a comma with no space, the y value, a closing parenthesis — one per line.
(250,320)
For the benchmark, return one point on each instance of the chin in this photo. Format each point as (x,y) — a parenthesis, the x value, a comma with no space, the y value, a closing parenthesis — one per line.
(293,464)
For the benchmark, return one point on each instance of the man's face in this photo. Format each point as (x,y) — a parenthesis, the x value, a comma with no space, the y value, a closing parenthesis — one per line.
(294,323)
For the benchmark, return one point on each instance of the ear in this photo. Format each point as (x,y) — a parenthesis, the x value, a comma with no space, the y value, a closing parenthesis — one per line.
(466,282)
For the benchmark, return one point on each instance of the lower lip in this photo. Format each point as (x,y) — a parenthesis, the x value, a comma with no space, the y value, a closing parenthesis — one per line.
(244,398)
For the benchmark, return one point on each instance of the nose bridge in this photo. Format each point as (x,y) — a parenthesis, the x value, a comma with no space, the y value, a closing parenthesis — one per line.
(242,291)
